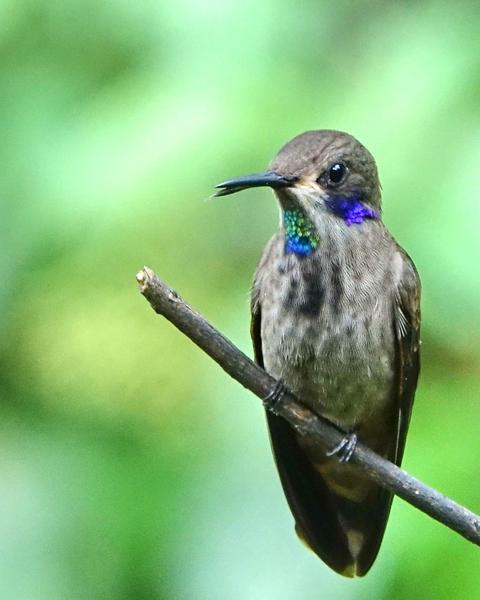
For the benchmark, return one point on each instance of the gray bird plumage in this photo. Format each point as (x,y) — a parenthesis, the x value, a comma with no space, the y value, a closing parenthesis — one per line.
(335,316)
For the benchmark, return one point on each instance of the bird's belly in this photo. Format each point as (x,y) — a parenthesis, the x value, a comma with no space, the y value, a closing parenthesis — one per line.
(342,367)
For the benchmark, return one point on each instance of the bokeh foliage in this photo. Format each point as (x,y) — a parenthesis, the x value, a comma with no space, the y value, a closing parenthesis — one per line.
(130,466)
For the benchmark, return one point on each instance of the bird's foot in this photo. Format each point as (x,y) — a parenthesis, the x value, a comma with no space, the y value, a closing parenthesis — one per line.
(345,448)
(272,399)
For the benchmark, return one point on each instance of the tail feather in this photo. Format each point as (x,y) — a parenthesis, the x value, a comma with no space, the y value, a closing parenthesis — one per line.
(343,530)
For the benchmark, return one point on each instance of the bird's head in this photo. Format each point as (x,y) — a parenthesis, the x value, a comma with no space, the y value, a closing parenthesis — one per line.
(320,172)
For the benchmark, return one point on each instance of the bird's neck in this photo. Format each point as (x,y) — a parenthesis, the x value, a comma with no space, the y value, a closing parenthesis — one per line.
(300,234)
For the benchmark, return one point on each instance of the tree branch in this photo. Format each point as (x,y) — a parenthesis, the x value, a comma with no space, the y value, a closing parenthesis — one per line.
(168,303)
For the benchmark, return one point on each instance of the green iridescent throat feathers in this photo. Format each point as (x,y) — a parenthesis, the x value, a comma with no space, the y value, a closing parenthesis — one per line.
(300,235)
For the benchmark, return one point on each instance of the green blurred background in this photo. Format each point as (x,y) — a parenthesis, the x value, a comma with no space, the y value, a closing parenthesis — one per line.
(131,466)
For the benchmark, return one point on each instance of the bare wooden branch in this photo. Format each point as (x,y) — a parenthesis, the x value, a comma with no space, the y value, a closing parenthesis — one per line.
(168,303)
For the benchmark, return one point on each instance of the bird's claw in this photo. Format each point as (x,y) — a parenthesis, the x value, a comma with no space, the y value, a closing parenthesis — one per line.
(345,448)
(271,400)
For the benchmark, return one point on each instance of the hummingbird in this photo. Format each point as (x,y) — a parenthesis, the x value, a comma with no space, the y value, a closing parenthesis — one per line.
(335,308)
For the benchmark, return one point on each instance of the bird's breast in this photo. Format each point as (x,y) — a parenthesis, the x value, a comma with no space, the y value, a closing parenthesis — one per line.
(327,332)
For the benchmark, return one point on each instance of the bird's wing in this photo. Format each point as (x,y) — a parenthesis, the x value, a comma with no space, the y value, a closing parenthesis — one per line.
(323,518)
(406,325)
(407,336)
(306,492)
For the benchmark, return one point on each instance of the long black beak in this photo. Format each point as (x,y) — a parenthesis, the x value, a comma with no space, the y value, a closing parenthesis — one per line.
(270,179)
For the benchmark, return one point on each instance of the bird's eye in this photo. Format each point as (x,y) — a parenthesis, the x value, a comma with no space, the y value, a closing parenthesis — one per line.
(336,173)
